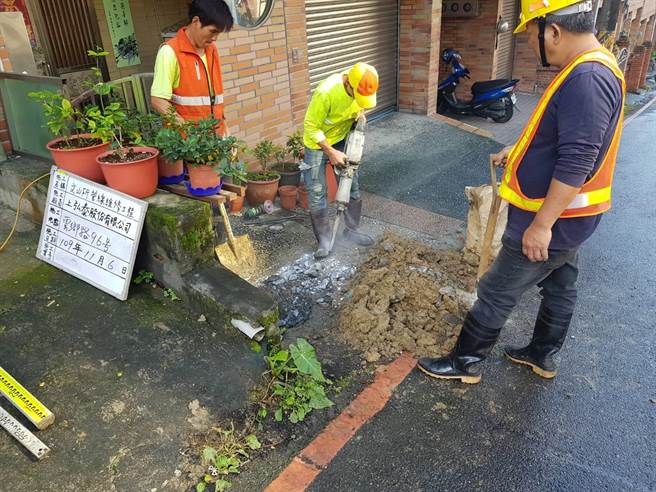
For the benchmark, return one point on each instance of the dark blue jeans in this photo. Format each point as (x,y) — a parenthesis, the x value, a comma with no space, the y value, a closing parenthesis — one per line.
(313,168)
(512,274)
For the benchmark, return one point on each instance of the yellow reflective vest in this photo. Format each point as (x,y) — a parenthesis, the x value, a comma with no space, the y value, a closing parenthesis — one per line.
(595,196)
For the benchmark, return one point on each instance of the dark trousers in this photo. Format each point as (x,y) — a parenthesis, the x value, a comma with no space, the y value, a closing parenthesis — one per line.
(512,274)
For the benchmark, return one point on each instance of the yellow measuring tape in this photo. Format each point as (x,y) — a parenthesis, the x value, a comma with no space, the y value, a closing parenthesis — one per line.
(22,399)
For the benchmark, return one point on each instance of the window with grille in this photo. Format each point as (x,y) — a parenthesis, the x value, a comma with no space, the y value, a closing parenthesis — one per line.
(68,29)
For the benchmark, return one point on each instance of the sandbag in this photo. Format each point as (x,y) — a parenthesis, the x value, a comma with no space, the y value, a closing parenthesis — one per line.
(480,199)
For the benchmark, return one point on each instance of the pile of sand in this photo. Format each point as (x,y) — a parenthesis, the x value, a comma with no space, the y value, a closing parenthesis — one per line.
(407,297)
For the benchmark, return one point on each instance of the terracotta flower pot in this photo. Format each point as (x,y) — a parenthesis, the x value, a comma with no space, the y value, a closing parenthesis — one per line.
(237,204)
(169,172)
(203,180)
(288,196)
(303,197)
(290,178)
(136,178)
(257,192)
(80,161)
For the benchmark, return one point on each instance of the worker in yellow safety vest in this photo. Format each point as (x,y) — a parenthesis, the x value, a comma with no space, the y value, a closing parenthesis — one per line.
(557,181)
(336,104)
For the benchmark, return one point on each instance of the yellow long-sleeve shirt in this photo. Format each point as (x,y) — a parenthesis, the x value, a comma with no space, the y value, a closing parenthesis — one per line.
(331,113)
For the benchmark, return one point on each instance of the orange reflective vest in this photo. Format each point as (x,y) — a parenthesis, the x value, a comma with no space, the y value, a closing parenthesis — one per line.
(595,196)
(196,96)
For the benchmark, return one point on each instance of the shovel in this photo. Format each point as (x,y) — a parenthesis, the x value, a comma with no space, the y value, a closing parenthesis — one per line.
(237,254)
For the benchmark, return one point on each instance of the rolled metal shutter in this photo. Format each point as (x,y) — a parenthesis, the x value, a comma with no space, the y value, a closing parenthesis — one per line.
(505,41)
(341,33)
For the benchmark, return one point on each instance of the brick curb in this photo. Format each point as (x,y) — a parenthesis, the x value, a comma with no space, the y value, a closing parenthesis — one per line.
(463,126)
(316,457)
(640,111)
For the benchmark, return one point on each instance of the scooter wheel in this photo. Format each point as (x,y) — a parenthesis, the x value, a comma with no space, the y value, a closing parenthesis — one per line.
(442,107)
(508,111)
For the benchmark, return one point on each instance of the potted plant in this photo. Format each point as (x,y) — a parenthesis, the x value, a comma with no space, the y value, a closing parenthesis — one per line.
(237,174)
(262,185)
(130,167)
(75,146)
(234,172)
(295,148)
(169,142)
(203,151)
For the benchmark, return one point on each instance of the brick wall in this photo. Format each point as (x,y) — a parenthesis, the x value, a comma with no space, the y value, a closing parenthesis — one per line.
(475,39)
(257,75)
(634,68)
(419,41)
(646,58)
(648,35)
(299,76)
(525,65)
(5,139)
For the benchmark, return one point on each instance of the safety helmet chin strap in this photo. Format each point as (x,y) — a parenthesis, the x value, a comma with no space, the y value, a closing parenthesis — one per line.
(542,23)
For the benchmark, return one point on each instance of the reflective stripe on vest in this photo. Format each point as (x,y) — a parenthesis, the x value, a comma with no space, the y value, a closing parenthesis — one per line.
(196,100)
(594,197)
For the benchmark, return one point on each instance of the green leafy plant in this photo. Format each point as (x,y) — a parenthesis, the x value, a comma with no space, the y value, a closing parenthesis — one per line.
(170,143)
(62,118)
(142,129)
(107,119)
(236,171)
(170,294)
(295,146)
(103,120)
(296,383)
(203,146)
(226,458)
(234,166)
(264,152)
(144,277)
(279,153)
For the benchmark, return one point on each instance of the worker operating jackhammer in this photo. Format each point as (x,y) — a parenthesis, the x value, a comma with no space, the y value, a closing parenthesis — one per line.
(336,104)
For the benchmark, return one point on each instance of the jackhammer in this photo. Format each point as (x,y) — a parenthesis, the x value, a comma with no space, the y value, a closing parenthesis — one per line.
(353,150)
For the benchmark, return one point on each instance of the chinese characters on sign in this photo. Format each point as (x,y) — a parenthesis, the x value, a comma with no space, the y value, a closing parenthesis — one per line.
(91,232)
(121,30)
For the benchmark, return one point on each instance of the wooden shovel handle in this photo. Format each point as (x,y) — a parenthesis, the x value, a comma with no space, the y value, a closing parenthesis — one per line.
(495,205)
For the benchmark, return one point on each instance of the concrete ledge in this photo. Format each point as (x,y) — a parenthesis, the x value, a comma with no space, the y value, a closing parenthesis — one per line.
(463,126)
(177,245)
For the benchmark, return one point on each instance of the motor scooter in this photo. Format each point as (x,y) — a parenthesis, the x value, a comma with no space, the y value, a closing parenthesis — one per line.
(493,99)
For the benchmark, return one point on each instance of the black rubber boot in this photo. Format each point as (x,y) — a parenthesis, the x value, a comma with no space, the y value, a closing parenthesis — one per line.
(352,222)
(474,344)
(548,336)
(321,226)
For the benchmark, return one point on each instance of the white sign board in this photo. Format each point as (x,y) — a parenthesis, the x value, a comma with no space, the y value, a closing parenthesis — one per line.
(91,232)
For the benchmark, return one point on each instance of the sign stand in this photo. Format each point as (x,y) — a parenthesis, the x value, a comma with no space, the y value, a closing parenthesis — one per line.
(91,231)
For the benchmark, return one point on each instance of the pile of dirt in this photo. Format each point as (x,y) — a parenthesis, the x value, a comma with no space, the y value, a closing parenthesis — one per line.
(407,297)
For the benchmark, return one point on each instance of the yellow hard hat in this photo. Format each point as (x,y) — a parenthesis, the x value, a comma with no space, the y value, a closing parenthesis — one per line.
(363,78)
(534,9)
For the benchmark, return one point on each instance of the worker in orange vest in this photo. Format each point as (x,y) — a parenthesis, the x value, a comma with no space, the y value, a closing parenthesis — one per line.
(557,180)
(187,68)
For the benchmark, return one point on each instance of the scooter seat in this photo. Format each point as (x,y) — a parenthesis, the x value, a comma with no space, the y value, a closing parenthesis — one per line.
(488,85)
